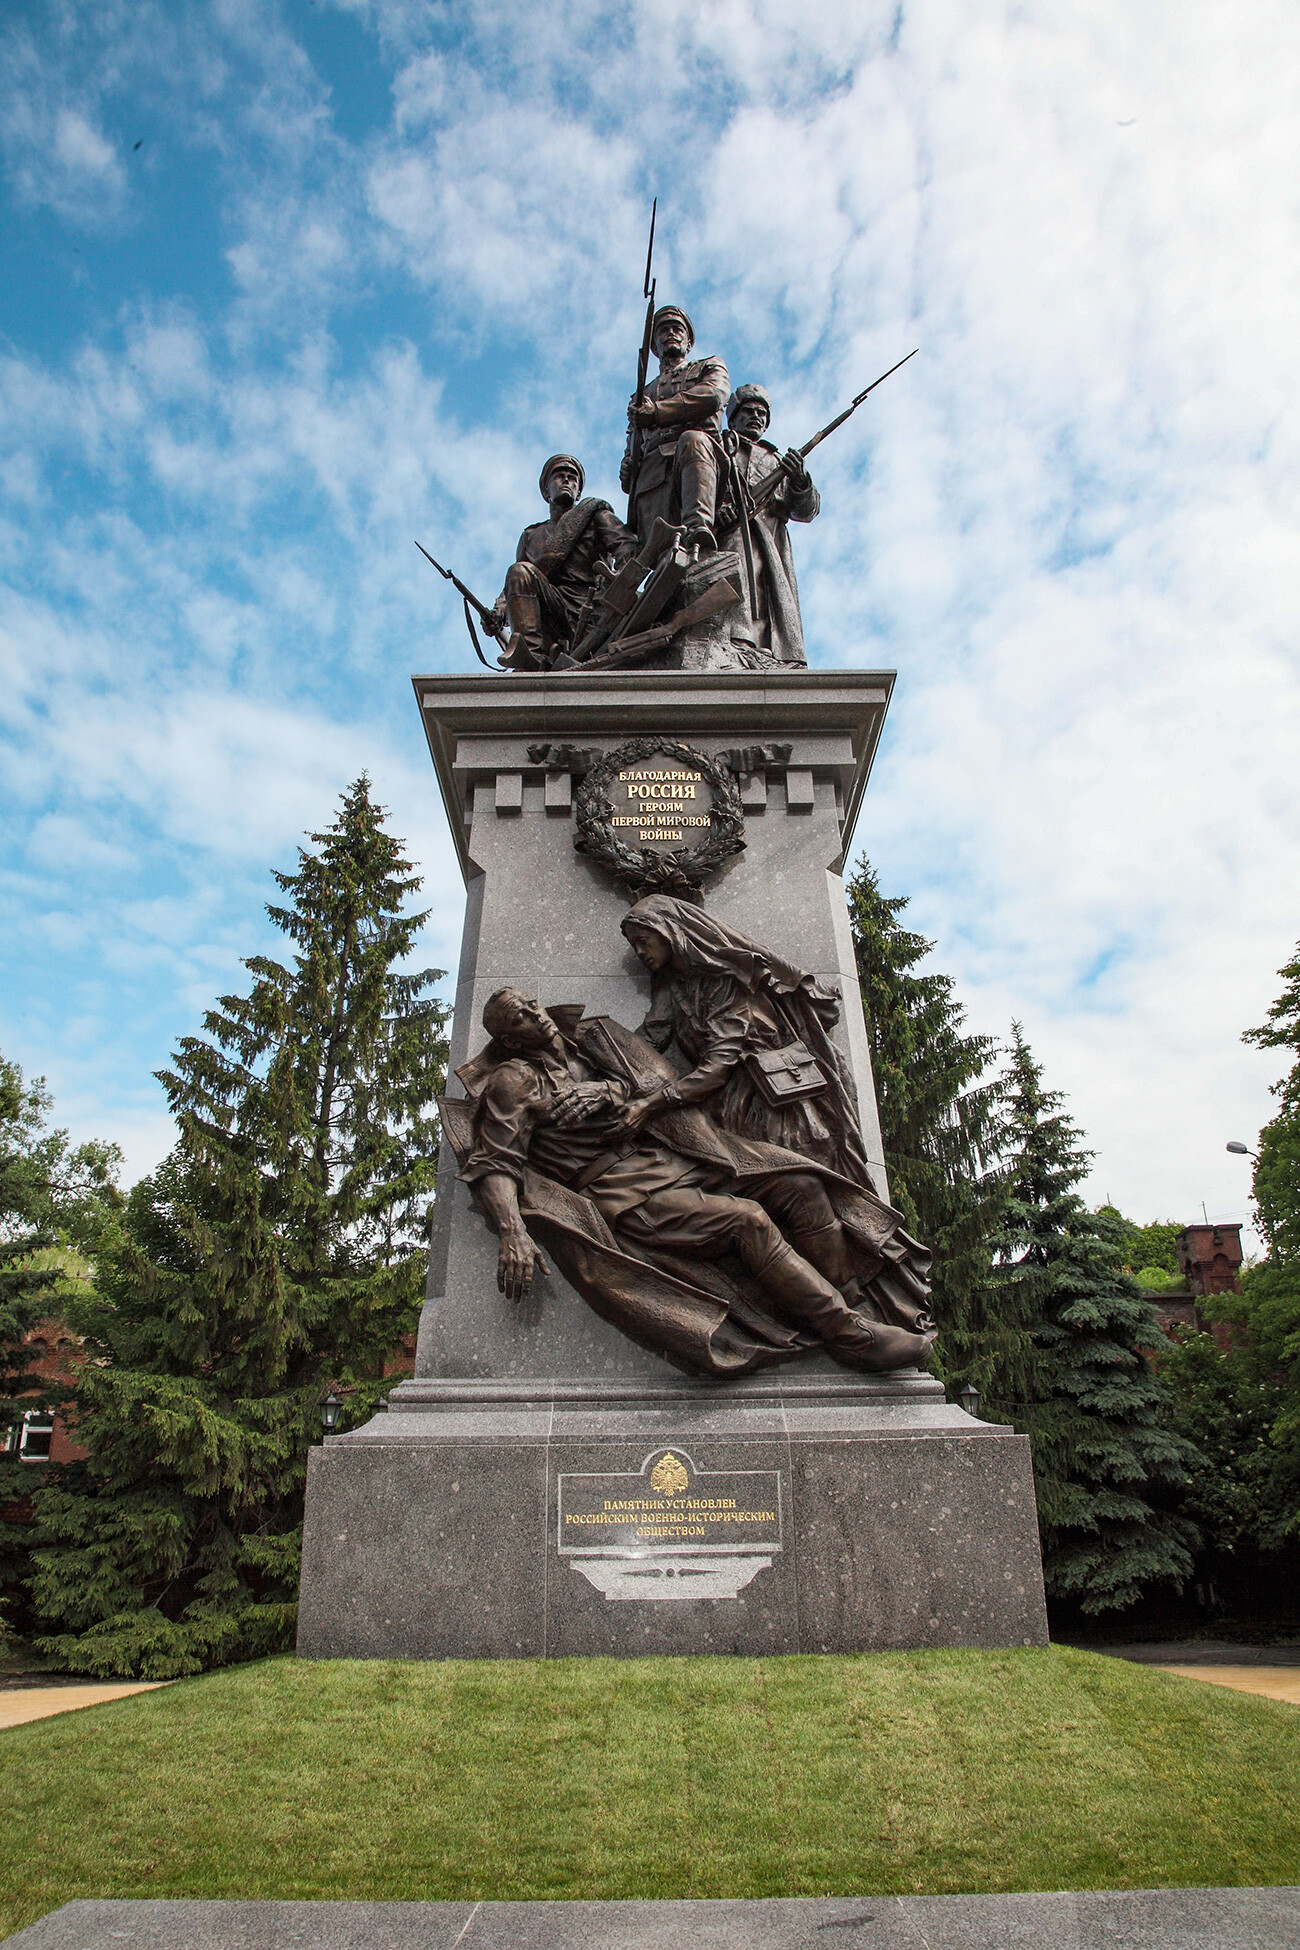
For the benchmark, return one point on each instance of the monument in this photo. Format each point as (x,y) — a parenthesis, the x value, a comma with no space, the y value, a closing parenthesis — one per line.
(671,1388)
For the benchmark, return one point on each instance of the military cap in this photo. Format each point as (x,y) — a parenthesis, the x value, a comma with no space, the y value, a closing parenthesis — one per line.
(742,397)
(555,461)
(671,311)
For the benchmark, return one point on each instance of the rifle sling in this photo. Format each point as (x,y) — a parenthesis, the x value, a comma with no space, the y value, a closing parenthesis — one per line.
(473,635)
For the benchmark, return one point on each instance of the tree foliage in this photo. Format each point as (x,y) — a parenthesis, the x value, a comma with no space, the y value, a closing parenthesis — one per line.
(1277,1170)
(1150,1248)
(1105,1455)
(1243,1490)
(55,1199)
(1254,1431)
(277,1252)
(940,1114)
(54,1196)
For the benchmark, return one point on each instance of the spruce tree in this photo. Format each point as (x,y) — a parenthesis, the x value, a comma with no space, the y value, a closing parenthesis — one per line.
(941,1121)
(1105,1455)
(278,1252)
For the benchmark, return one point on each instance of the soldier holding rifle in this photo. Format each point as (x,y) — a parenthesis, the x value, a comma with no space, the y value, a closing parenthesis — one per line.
(789,497)
(557,569)
(673,468)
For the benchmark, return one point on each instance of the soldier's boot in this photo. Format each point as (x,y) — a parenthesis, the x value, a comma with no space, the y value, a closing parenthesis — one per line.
(825,1248)
(526,649)
(802,1293)
(697,460)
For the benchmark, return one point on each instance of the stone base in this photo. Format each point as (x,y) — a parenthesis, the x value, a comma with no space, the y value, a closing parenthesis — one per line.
(525,1519)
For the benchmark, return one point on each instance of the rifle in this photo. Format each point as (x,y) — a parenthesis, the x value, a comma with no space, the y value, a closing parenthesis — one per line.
(486,616)
(648,286)
(762,494)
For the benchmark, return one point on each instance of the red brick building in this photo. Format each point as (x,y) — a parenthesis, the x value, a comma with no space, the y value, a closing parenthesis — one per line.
(1210,1260)
(42,1434)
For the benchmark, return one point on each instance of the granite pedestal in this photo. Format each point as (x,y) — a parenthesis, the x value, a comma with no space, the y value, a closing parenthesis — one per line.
(545,1486)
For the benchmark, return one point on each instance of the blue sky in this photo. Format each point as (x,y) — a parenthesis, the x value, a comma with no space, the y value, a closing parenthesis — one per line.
(288,286)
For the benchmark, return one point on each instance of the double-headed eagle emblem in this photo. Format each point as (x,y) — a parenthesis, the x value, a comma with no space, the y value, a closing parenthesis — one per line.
(669,1476)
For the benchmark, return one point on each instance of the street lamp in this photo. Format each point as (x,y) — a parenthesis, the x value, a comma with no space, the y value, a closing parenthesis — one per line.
(329,1412)
(969,1397)
(1239,1150)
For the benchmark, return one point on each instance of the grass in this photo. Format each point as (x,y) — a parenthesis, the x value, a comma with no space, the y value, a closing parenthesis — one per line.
(924,1772)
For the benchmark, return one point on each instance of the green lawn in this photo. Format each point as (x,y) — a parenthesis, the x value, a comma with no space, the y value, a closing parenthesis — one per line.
(925,1772)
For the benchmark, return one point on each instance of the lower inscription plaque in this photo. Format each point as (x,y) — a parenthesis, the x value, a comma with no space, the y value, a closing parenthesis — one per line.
(669,1530)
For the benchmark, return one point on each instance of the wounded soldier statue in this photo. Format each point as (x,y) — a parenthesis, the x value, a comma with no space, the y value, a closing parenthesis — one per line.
(723,1253)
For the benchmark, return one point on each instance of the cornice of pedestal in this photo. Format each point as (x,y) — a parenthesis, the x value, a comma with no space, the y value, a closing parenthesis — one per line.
(815,710)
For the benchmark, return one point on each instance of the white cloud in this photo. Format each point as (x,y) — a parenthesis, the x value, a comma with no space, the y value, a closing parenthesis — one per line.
(1070,521)
(57,156)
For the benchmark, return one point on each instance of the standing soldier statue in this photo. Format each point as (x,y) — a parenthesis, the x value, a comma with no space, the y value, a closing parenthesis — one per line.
(789,497)
(674,457)
(557,569)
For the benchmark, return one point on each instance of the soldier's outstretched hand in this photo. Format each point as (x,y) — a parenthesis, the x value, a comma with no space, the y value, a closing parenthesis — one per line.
(517,1261)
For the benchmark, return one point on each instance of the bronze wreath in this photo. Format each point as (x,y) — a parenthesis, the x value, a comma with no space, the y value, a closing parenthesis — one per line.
(681,872)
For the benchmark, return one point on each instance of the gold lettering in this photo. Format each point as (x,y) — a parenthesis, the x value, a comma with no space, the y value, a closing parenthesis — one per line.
(638,1511)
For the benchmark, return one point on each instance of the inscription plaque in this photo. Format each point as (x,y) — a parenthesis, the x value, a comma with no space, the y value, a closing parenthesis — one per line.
(668,1530)
(661,805)
(660,815)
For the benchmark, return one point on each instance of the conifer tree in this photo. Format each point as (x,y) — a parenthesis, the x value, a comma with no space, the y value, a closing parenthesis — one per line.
(1105,1456)
(941,1121)
(277,1252)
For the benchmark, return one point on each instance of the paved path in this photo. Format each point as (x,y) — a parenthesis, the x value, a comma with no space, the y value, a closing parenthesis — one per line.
(1274,1682)
(1195,1652)
(1159,1919)
(18,1704)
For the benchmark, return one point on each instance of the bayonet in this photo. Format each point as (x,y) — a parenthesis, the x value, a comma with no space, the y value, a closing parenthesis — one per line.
(488,617)
(648,288)
(763,493)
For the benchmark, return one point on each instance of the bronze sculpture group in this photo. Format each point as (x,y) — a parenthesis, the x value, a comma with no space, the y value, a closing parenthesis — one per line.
(690,483)
(701,1183)
(701,574)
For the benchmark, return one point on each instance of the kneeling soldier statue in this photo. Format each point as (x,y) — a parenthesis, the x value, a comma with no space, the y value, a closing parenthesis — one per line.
(559,566)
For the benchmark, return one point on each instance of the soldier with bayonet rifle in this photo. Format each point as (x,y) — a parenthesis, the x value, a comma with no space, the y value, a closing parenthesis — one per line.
(559,567)
(674,460)
(769,491)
